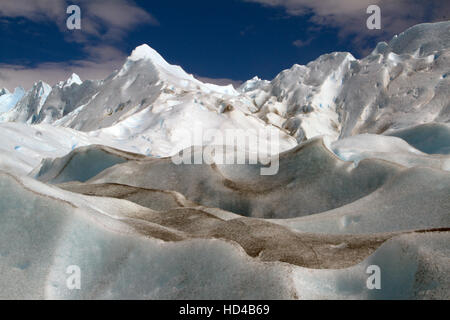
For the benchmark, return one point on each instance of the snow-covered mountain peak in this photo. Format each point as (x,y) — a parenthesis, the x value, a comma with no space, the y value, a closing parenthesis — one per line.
(146,62)
(145,52)
(3,91)
(25,107)
(73,79)
(40,84)
(40,90)
(145,55)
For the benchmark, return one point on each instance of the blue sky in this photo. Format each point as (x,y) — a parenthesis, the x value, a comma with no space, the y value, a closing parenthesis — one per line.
(225,41)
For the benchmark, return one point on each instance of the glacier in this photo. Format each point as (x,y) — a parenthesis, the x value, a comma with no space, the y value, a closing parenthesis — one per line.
(87,178)
(9,100)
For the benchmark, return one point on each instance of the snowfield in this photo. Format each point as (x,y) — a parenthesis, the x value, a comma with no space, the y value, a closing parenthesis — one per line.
(88,179)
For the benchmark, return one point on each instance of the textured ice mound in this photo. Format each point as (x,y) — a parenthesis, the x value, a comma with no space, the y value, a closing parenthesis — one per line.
(81,164)
(115,244)
(433,138)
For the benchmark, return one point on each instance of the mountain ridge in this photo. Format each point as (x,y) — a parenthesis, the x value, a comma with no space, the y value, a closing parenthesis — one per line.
(335,95)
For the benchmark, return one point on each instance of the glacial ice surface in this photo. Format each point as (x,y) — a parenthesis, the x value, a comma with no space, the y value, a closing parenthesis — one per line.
(86,179)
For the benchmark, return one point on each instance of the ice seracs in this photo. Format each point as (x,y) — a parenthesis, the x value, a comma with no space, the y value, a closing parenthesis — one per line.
(423,39)
(9,100)
(253,84)
(401,84)
(27,109)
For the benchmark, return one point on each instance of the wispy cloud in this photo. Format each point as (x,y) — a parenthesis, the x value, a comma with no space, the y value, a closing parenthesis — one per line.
(349,16)
(301,43)
(100,18)
(103,21)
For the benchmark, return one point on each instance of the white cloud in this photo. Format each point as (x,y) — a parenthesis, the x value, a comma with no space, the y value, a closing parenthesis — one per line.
(34,10)
(100,18)
(350,16)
